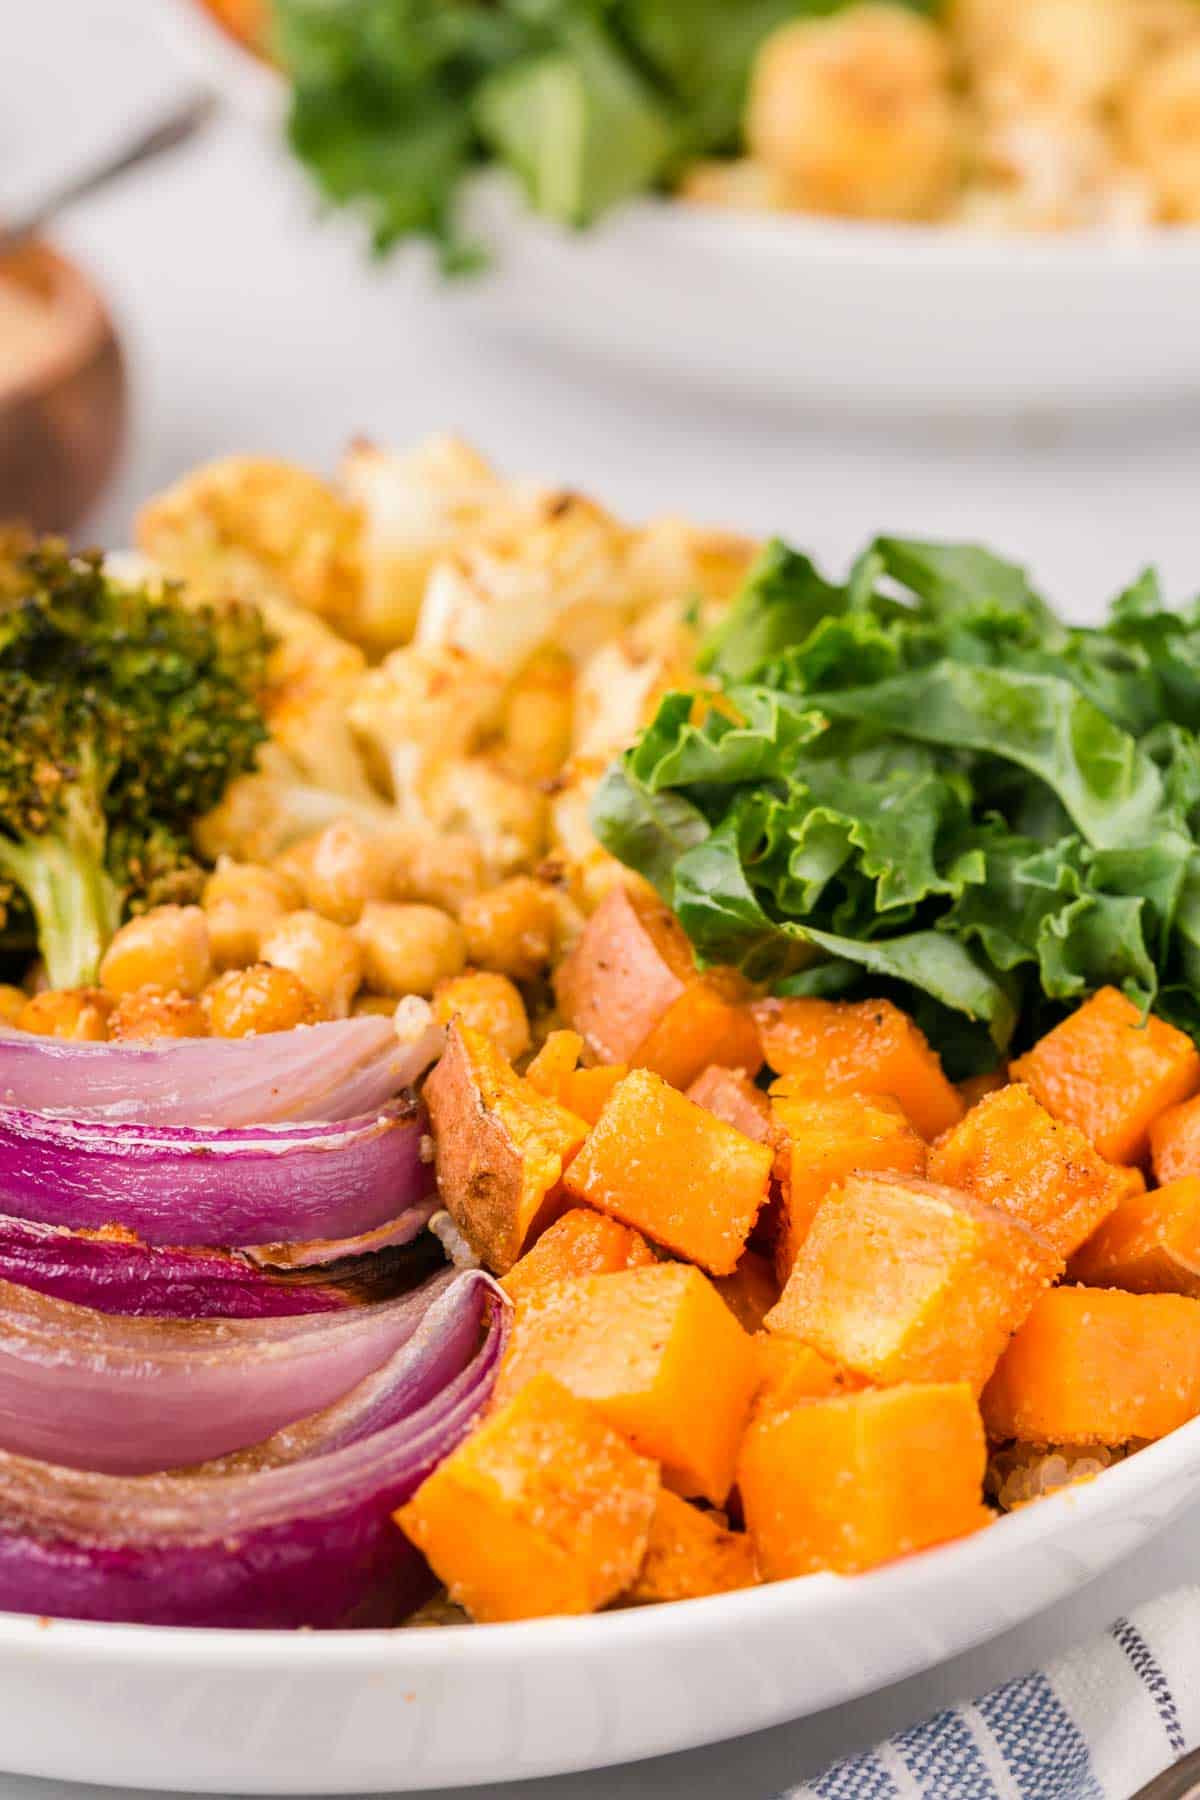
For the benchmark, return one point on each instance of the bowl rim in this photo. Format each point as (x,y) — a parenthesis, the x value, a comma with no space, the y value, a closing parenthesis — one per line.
(803,1600)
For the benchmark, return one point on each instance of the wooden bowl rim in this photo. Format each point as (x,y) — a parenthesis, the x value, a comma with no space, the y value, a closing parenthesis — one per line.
(83,327)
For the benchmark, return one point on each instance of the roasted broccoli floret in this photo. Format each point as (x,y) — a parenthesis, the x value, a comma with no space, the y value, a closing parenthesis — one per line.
(123,717)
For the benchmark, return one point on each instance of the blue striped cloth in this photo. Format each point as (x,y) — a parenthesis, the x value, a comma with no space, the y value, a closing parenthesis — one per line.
(1095,1725)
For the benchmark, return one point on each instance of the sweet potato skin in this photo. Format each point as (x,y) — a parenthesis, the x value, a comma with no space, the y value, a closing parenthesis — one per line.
(544,1509)
(1175,1142)
(673,1171)
(1010,1153)
(822,1138)
(853,1481)
(658,1354)
(1110,1074)
(1149,1245)
(690,1553)
(500,1147)
(580,1242)
(631,989)
(1095,1366)
(861,1047)
(732,1096)
(901,1280)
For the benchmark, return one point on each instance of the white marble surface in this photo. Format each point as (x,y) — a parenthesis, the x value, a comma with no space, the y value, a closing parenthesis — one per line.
(253,325)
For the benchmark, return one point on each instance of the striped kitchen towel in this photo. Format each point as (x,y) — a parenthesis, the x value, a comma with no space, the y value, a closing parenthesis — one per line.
(1095,1725)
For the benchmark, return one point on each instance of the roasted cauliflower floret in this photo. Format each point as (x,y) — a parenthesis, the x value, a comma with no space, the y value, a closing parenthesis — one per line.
(856,112)
(422,704)
(1161,122)
(1053,173)
(413,508)
(1057,57)
(263,813)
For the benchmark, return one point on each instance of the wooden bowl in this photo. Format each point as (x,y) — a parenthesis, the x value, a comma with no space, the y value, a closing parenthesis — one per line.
(63,406)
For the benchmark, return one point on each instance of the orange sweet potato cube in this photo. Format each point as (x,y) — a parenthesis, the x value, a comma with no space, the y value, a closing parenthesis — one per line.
(821,1139)
(557,1058)
(862,1047)
(659,1354)
(1175,1141)
(581,1242)
(789,1372)
(500,1147)
(631,988)
(1095,1366)
(1149,1245)
(1011,1153)
(751,1291)
(669,1168)
(1111,1073)
(544,1509)
(902,1280)
(691,1553)
(732,1096)
(854,1481)
(582,1091)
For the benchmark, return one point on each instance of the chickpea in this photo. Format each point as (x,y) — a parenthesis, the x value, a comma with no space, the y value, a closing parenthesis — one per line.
(489,1003)
(856,113)
(409,949)
(346,868)
(241,902)
(167,947)
(374,1006)
(512,928)
(441,870)
(150,1013)
(13,1001)
(327,958)
(296,860)
(252,1002)
(232,880)
(78,1013)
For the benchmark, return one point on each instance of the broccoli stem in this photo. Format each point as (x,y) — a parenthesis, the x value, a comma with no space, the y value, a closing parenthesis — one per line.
(75,903)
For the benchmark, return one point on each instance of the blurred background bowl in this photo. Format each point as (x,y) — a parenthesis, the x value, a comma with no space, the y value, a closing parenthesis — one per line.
(62,391)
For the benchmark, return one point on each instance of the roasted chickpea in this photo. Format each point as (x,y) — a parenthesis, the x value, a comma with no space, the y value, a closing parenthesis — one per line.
(489,1003)
(167,948)
(373,1005)
(327,957)
(67,1013)
(409,949)
(346,868)
(151,1013)
(441,870)
(252,1002)
(13,1001)
(512,928)
(241,902)
(856,113)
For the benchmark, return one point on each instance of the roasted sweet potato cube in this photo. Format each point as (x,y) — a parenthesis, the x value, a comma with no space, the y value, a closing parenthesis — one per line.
(854,1481)
(789,1372)
(581,1242)
(630,987)
(500,1147)
(691,1553)
(902,1280)
(821,1138)
(1111,1073)
(751,1291)
(689,1181)
(861,1047)
(544,1509)
(656,1351)
(1011,1153)
(1094,1366)
(582,1091)
(732,1096)
(1175,1142)
(1149,1245)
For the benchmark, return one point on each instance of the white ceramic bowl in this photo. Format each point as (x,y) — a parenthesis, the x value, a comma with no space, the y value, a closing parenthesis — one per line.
(827,315)
(372,1712)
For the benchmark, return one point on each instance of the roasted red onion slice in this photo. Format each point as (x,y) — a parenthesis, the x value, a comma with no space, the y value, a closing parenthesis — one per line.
(125,1395)
(304,1537)
(115,1272)
(176,1184)
(337,1070)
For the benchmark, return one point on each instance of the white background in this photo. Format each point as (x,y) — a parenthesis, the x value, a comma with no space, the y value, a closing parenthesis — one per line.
(252,324)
